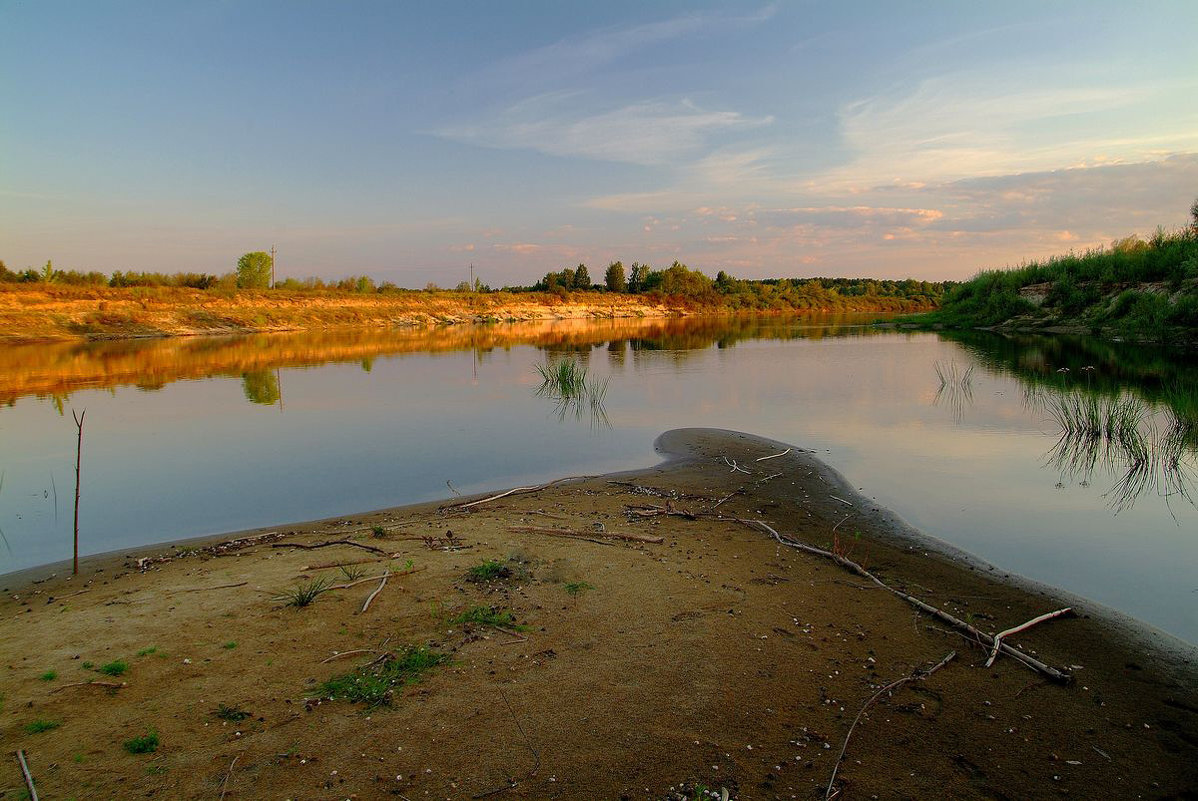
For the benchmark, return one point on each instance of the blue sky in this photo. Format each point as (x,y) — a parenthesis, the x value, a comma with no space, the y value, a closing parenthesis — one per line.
(408,140)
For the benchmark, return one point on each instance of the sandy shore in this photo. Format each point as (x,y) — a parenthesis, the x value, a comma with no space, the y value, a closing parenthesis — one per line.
(651,655)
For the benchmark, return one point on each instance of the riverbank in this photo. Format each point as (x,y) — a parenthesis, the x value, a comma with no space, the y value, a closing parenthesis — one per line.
(638,601)
(50,312)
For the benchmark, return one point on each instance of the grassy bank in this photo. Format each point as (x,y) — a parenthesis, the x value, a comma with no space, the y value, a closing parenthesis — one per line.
(1139,289)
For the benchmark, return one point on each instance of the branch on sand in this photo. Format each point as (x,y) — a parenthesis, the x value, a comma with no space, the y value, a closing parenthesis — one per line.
(370,548)
(588,536)
(1056,675)
(513,491)
(1068,610)
(916,675)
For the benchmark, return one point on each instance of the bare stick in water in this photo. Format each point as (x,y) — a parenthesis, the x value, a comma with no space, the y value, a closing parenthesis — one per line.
(78,462)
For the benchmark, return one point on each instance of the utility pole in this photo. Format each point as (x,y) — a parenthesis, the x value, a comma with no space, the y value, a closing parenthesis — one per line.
(272,266)
(471,276)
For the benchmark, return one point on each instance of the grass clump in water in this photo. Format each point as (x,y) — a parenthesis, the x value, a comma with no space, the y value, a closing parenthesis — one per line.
(375,684)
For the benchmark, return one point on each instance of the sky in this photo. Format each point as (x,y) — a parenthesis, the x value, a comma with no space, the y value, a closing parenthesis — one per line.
(407,141)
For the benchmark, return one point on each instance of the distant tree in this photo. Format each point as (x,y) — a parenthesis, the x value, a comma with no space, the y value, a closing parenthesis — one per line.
(463,286)
(614,278)
(48,272)
(1194,215)
(253,271)
(637,277)
(582,279)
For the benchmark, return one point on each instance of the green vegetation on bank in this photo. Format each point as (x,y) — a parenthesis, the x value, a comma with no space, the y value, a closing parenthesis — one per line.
(676,284)
(1139,288)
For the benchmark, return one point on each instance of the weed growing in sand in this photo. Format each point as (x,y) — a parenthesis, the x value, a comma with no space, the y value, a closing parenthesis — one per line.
(49,675)
(301,595)
(352,573)
(489,570)
(116,668)
(40,725)
(375,684)
(87,665)
(378,532)
(577,588)
(147,651)
(144,744)
(488,616)
(231,713)
(230,645)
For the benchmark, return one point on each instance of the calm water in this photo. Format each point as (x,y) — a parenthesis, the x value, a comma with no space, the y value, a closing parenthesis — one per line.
(197,436)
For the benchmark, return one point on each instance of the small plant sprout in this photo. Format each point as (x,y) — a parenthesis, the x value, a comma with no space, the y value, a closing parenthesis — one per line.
(230,645)
(576,588)
(378,532)
(489,570)
(231,713)
(38,726)
(301,595)
(49,675)
(116,668)
(143,744)
(147,651)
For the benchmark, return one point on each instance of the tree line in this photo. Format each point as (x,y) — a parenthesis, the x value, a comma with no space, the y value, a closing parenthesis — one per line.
(678,282)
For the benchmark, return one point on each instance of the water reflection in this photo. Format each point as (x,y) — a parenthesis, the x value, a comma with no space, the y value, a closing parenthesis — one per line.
(567,382)
(55,371)
(1130,411)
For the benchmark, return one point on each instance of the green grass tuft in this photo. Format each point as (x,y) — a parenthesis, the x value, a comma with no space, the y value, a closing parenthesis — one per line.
(145,744)
(49,675)
(375,684)
(576,588)
(116,668)
(38,726)
(489,570)
(301,595)
(488,616)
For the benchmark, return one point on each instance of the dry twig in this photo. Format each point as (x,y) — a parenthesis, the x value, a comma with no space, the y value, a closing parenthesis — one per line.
(774,456)
(112,685)
(377,590)
(1023,627)
(228,774)
(589,536)
(917,674)
(513,491)
(28,776)
(215,587)
(370,548)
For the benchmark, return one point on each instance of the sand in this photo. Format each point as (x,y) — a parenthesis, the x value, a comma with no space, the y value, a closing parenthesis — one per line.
(715,658)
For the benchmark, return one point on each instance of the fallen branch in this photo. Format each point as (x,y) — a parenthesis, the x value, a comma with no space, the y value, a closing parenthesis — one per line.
(216,587)
(654,511)
(735,467)
(377,590)
(330,565)
(514,491)
(1023,627)
(28,776)
(774,456)
(349,653)
(112,685)
(916,675)
(535,755)
(370,548)
(986,639)
(607,535)
(842,500)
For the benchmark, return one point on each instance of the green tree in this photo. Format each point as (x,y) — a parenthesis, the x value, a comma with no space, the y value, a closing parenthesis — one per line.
(637,277)
(48,272)
(614,278)
(582,279)
(253,271)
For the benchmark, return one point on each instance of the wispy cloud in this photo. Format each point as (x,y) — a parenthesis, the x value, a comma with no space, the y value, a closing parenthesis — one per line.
(647,133)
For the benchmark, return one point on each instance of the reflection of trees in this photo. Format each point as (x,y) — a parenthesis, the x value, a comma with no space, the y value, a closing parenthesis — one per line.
(261,386)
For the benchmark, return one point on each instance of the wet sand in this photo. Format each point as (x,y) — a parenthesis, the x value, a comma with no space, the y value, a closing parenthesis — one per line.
(715,658)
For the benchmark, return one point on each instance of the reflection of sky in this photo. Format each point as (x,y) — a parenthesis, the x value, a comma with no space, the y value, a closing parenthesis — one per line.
(195,457)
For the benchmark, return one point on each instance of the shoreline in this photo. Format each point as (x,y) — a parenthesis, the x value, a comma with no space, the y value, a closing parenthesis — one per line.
(749,608)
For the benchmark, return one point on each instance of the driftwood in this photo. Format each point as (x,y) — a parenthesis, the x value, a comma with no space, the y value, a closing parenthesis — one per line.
(377,590)
(1023,627)
(28,776)
(330,565)
(1029,661)
(774,456)
(650,510)
(349,653)
(916,675)
(370,548)
(609,535)
(112,685)
(513,491)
